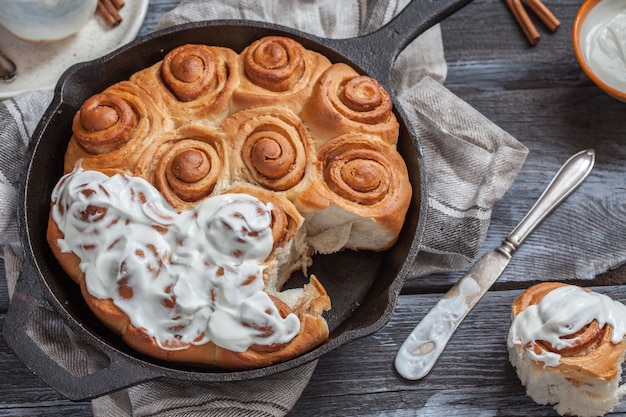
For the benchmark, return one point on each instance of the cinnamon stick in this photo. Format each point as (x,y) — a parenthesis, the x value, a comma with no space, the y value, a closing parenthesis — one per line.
(110,12)
(529,29)
(546,16)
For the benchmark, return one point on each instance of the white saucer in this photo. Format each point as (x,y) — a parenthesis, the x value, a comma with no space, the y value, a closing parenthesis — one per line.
(39,66)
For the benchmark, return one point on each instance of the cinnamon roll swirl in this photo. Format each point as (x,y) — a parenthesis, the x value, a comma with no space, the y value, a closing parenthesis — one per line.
(270,147)
(277,70)
(193,83)
(187,165)
(111,128)
(343,101)
(567,344)
(360,196)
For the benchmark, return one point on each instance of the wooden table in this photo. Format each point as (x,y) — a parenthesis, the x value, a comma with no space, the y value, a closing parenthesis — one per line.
(540,96)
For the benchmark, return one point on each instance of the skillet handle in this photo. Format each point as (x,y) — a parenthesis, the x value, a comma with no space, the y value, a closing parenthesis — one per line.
(85,372)
(376,52)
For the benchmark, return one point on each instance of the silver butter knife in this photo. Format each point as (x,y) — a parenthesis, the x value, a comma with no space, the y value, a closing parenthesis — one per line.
(422,348)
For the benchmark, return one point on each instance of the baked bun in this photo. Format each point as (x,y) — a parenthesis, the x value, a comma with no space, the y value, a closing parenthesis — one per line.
(270,147)
(344,101)
(186,165)
(567,344)
(277,70)
(194,190)
(111,128)
(194,83)
(358,197)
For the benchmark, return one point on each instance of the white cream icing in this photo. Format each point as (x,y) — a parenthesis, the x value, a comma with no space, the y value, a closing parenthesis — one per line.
(562,312)
(186,278)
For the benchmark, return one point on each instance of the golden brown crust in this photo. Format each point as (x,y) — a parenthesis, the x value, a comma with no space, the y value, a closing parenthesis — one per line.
(592,357)
(104,123)
(277,71)
(343,101)
(270,147)
(365,177)
(101,145)
(193,83)
(313,331)
(187,165)
(142,342)
(69,261)
(105,310)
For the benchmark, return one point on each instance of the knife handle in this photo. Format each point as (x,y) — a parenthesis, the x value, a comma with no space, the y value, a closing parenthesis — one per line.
(426,342)
(567,179)
(428,339)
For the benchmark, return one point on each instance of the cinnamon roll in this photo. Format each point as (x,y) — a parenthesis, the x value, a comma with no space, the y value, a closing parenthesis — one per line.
(142,272)
(193,83)
(111,128)
(187,165)
(194,190)
(359,197)
(567,344)
(277,70)
(343,101)
(270,147)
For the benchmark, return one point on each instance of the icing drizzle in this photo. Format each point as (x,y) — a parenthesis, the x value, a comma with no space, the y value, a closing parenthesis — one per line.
(562,312)
(185,278)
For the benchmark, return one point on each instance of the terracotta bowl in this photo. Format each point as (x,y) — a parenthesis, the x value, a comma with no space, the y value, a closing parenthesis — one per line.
(580,49)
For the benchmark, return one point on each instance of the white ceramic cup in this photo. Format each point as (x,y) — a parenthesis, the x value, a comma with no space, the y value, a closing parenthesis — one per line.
(45,20)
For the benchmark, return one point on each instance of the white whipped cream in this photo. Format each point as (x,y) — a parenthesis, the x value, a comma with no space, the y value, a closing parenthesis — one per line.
(562,312)
(603,36)
(186,278)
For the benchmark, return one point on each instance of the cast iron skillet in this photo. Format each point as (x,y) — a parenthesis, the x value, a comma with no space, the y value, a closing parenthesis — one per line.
(363,287)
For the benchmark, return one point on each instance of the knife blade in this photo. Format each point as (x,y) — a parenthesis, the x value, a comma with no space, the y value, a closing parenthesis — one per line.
(421,349)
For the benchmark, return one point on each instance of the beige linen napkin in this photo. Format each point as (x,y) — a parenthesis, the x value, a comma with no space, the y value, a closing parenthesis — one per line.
(469,162)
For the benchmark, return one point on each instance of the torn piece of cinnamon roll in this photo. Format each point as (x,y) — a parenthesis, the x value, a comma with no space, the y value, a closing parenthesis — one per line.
(567,345)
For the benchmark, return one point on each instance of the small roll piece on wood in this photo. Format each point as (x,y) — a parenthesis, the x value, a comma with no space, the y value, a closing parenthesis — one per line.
(567,344)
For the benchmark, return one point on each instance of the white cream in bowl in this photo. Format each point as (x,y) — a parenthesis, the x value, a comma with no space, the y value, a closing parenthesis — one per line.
(603,41)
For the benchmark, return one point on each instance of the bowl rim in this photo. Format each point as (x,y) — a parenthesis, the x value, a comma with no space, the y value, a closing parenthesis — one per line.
(579,19)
